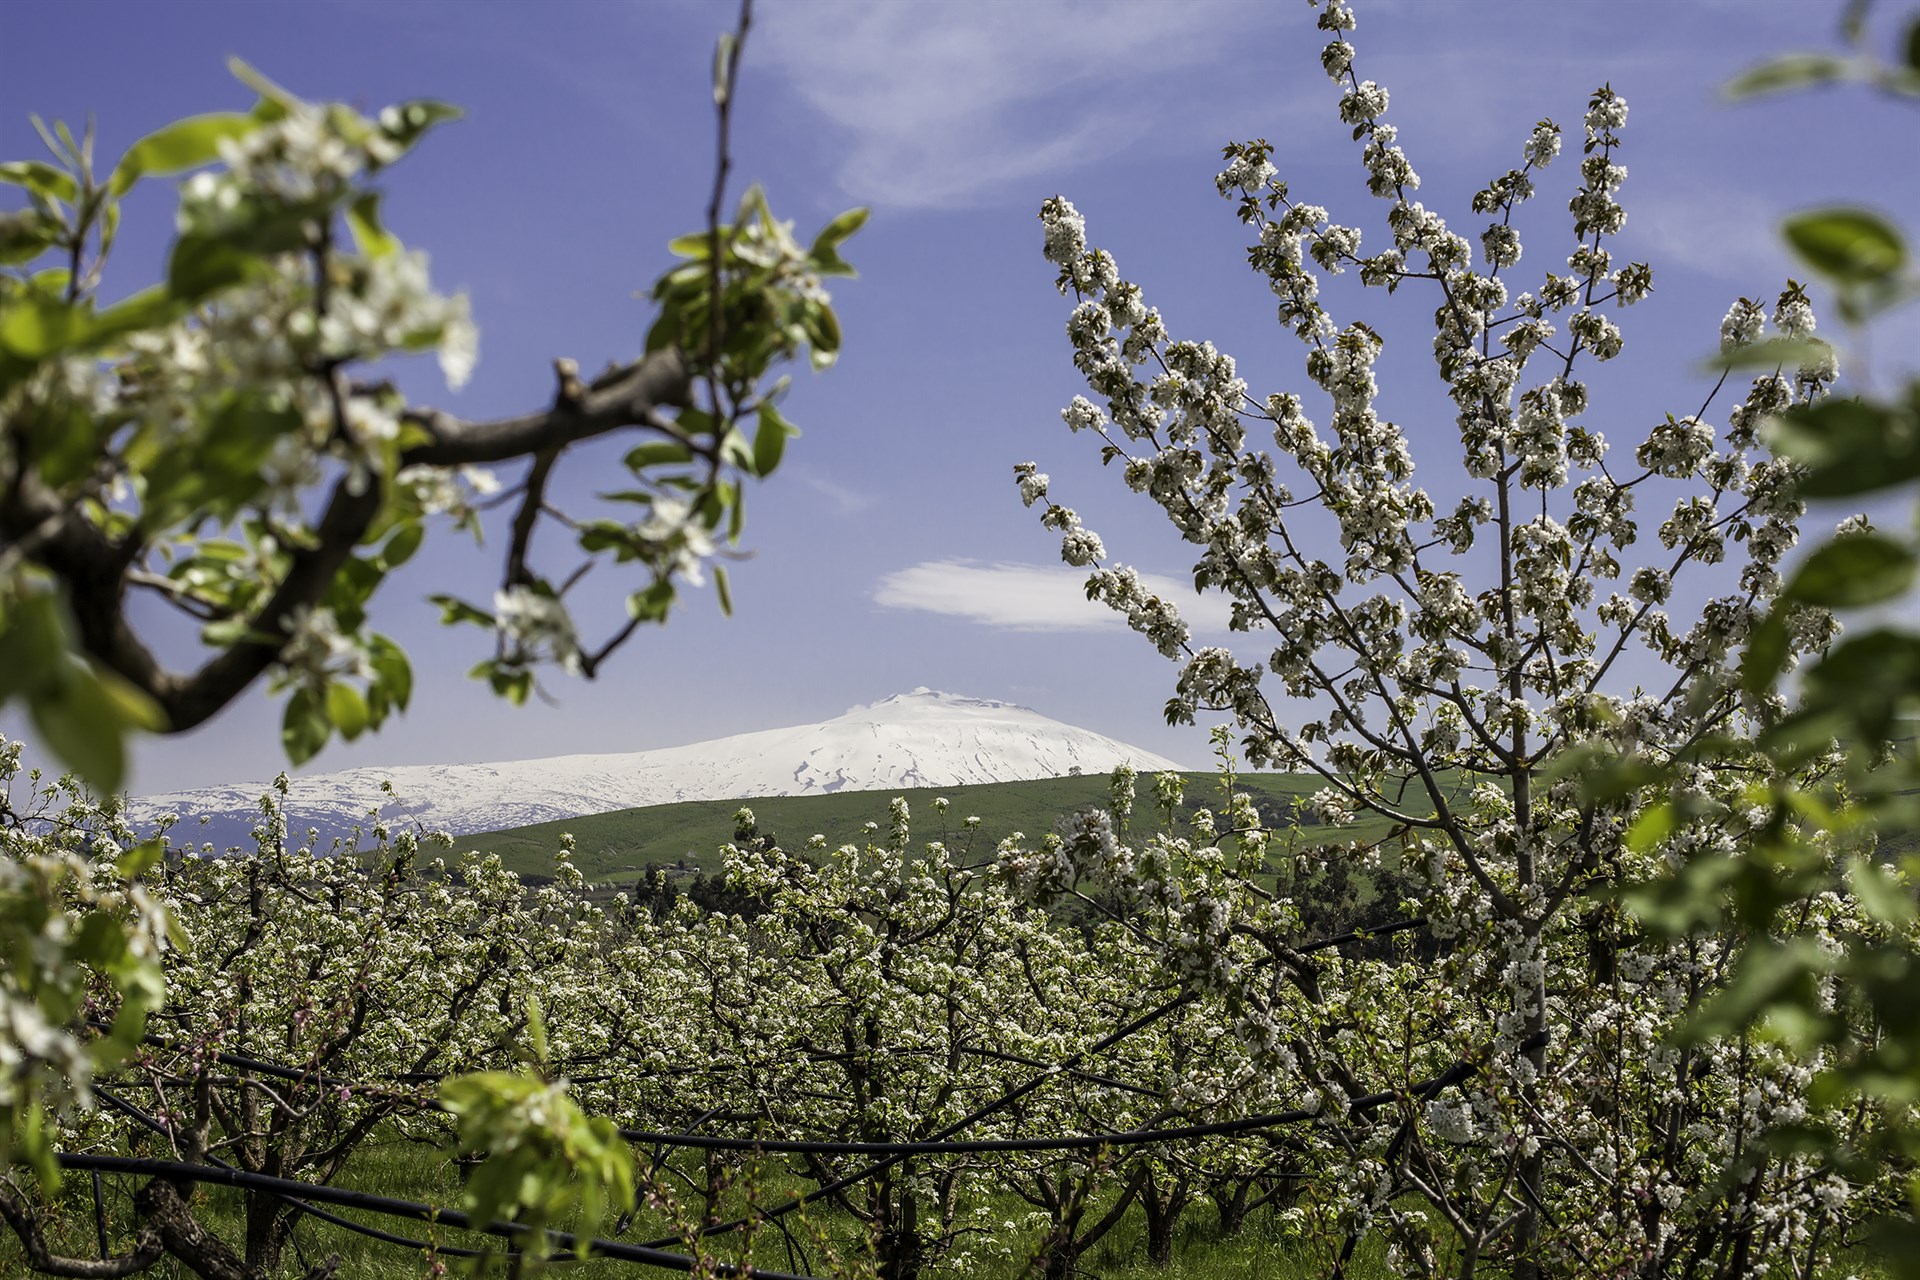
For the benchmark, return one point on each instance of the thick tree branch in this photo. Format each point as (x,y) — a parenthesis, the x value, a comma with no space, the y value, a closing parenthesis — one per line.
(166,1213)
(95,571)
(630,395)
(26,1226)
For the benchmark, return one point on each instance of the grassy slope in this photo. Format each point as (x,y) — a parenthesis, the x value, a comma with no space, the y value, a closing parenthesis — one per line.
(614,846)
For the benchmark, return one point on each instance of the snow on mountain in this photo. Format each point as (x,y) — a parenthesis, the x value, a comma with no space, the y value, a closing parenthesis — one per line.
(919,739)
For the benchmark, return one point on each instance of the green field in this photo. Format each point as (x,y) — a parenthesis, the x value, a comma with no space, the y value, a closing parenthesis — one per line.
(1266,1247)
(618,846)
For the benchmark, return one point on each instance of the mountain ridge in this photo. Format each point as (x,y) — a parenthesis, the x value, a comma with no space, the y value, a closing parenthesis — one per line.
(923,738)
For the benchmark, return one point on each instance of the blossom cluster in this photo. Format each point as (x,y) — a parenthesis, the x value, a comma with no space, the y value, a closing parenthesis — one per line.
(1435,655)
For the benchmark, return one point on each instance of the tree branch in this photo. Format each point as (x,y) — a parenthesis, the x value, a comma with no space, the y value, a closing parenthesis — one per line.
(168,1216)
(627,396)
(96,572)
(26,1226)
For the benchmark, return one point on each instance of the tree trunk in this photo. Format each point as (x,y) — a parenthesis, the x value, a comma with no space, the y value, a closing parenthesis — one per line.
(1230,1199)
(1163,1208)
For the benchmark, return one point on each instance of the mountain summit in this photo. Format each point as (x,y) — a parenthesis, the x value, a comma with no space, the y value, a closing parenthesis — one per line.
(920,739)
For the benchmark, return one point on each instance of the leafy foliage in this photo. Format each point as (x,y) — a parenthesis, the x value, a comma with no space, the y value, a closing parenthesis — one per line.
(1845,1000)
(212,440)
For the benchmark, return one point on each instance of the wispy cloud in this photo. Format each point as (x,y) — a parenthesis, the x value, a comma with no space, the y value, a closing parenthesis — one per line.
(843,500)
(1030,597)
(1732,235)
(946,105)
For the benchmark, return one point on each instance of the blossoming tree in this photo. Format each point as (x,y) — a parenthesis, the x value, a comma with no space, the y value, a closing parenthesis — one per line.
(219,442)
(1439,662)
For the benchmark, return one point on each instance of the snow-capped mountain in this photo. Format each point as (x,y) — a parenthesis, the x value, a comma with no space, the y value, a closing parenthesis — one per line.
(919,739)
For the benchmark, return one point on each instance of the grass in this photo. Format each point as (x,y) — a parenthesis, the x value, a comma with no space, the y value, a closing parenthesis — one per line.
(619,846)
(408,1171)
(1264,1248)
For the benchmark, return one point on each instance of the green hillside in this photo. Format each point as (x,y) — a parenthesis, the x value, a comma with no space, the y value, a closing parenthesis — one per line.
(618,846)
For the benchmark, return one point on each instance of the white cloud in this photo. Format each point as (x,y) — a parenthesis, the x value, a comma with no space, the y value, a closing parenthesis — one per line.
(845,501)
(1031,597)
(945,104)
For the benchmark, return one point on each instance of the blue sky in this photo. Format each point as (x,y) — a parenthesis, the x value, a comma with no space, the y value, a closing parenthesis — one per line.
(891,550)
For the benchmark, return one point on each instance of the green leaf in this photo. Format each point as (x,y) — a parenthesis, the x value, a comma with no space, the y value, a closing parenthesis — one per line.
(826,246)
(1912,43)
(393,670)
(369,235)
(1851,246)
(515,686)
(205,264)
(722,68)
(656,453)
(347,709)
(131,705)
(1772,353)
(304,729)
(63,440)
(40,178)
(141,859)
(33,641)
(184,144)
(1853,571)
(1651,829)
(151,308)
(37,1148)
(536,1028)
(24,235)
(698,245)
(275,102)
(401,546)
(724,588)
(1765,653)
(83,717)
(1604,776)
(652,604)
(1793,71)
(823,332)
(1854,692)
(1878,894)
(221,471)
(1767,973)
(407,122)
(35,326)
(100,940)
(735,450)
(1848,447)
(453,609)
(770,440)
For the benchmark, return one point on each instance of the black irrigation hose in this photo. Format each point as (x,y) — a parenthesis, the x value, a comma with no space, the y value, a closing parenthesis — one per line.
(1075,1142)
(301,1075)
(1421,1091)
(385,1237)
(1364,934)
(892,1153)
(1107,1082)
(181,1171)
(1425,1089)
(967,1121)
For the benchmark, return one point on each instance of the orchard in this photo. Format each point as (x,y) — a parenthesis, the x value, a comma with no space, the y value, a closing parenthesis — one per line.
(1626,985)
